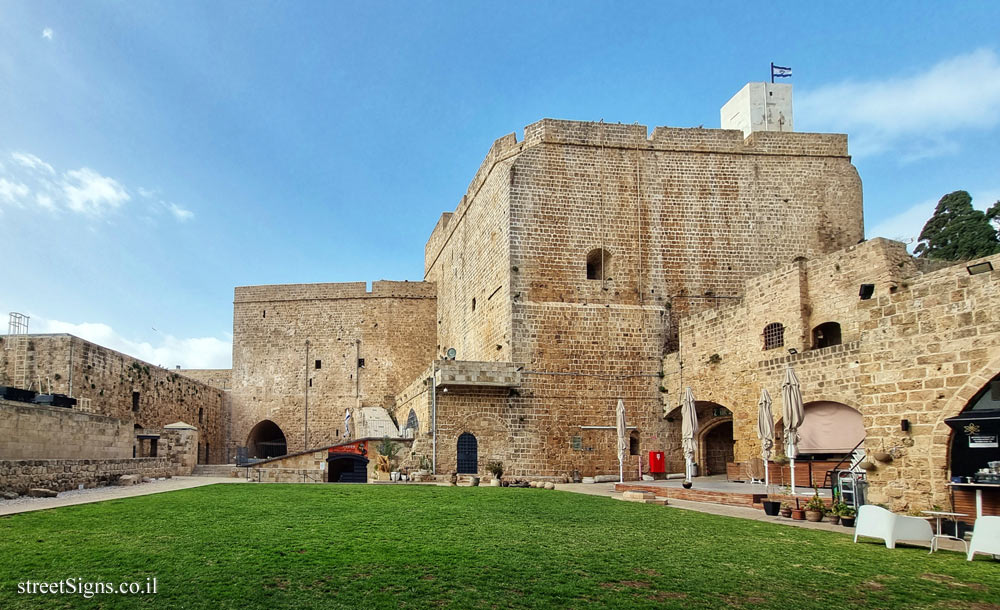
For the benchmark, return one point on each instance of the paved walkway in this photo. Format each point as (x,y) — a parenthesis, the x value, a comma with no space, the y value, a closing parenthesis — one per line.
(85,496)
(608,490)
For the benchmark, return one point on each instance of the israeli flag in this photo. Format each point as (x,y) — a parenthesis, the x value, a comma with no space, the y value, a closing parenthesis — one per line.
(780,72)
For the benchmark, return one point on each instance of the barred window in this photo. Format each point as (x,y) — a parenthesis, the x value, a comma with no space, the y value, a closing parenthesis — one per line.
(774,335)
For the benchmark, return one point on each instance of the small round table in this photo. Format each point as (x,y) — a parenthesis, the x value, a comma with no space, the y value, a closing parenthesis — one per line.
(938,515)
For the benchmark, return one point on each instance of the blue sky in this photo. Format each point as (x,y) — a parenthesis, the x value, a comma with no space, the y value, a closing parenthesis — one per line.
(154,155)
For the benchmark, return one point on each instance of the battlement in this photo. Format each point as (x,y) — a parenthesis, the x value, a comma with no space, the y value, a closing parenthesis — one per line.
(684,139)
(334,290)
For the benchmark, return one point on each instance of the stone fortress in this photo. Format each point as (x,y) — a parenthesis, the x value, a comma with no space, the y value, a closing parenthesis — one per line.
(592,262)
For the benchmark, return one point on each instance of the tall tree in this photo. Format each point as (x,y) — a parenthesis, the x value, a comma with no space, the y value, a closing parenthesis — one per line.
(957,231)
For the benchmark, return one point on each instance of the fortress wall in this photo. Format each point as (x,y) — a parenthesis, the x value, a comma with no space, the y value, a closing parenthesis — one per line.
(392,328)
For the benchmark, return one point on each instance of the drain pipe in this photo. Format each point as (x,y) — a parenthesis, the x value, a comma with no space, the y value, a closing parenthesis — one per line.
(434,427)
(305,434)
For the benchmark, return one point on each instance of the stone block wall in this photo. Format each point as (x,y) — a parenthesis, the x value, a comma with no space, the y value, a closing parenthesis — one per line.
(120,386)
(685,217)
(919,349)
(392,328)
(35,432)
(61,475)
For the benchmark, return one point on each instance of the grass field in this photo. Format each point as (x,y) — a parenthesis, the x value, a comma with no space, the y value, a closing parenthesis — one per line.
(366,546)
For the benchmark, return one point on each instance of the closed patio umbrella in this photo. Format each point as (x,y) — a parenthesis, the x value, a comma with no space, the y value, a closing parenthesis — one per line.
(689,429)
(792,413)
(765,429)
(622,441)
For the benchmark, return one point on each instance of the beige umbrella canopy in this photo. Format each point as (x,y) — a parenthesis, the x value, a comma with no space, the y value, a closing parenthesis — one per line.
(765,429)
(622,440)
(792,413)
(689,430)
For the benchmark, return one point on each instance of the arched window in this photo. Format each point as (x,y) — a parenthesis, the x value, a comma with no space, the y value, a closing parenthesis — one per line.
(774,335)
(598,264)
(633,443)
(412,425)
(826,334)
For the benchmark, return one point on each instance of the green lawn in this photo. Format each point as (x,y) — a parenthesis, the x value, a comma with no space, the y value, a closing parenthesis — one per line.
(367,546)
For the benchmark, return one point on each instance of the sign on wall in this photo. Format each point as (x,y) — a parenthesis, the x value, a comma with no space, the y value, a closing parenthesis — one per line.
(983,441)
(360,448)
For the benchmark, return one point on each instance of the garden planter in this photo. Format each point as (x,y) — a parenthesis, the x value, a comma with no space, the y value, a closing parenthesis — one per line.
(495,483)
(814,515)
(833,519)
(847,521)
(786,512)
(771,507)
(798,514)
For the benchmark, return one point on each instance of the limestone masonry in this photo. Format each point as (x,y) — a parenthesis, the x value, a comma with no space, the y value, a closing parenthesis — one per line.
(587,263)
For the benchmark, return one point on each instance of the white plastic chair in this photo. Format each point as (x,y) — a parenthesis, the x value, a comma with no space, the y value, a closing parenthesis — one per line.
(985,536)
(877,522)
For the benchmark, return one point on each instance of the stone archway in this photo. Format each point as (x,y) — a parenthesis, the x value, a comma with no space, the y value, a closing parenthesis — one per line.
(939,453)
(347,468)
(266,440)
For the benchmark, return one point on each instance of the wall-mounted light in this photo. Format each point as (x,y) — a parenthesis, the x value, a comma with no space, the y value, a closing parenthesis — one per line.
(984,267)
(792,351)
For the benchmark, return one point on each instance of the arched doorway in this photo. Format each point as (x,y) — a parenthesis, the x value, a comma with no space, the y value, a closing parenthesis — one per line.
(717,443)
(266,440)
(468,454)
(347,468)
(975,433)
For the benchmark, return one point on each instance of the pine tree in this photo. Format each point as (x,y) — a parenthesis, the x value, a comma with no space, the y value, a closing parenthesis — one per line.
(957,231)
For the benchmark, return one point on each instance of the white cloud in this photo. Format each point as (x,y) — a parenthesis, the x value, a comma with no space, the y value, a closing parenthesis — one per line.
(91,193)
(12,193)
(47,33)
(191,353)
(30,182)
(917,115)
(180,213)
(45,201)
(907,225)
(32,162)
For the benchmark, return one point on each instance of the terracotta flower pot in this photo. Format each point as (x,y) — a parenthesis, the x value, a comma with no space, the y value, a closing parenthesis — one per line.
(798,514)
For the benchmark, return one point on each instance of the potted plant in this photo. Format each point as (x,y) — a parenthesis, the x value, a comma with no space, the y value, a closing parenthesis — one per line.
(771,507)
(847,515)
(496,469)
(771,504)
(815,507)
(832,515)
(786,510)
(387,451)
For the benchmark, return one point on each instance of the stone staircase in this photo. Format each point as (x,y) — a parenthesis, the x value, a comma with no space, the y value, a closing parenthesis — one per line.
(213,470)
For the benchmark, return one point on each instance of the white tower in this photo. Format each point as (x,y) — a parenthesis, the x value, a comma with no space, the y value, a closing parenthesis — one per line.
(759,107)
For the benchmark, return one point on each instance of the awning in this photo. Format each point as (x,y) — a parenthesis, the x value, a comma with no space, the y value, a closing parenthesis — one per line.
(961,420)
(830,427)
